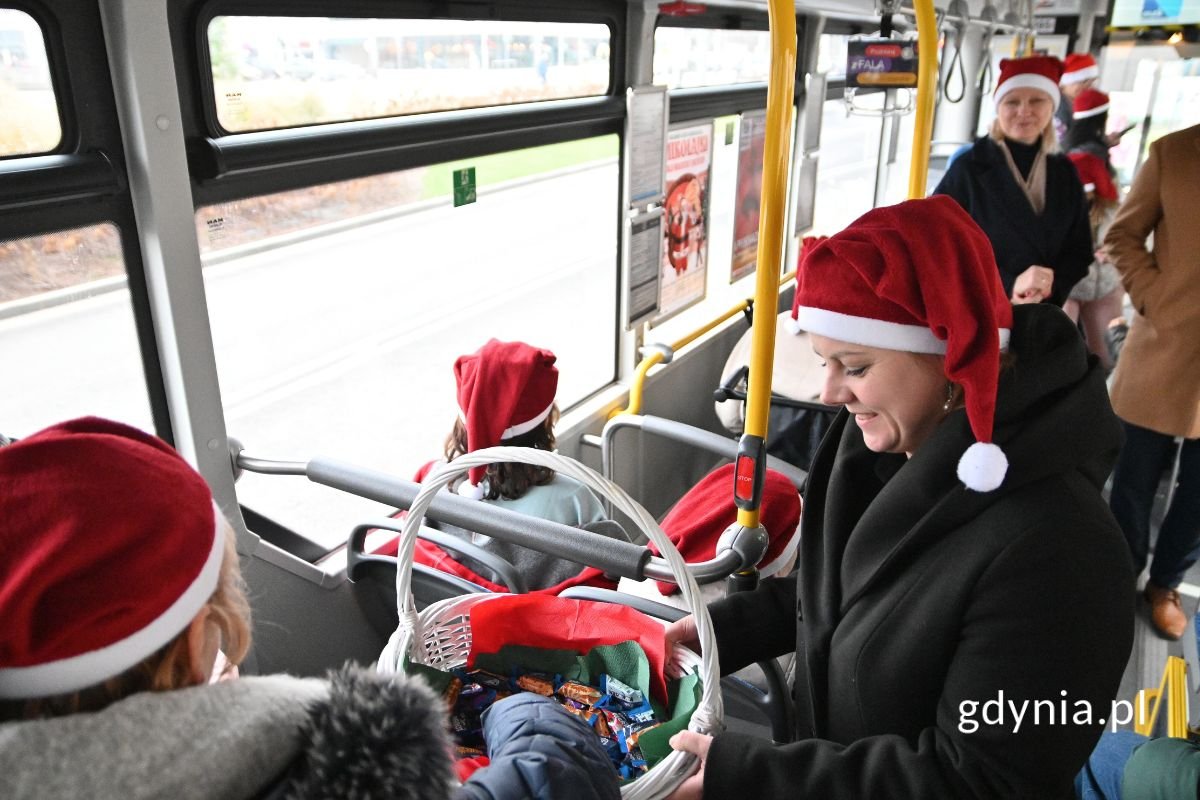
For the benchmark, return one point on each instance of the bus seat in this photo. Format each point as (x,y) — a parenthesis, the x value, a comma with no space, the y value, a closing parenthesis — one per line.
(797,419)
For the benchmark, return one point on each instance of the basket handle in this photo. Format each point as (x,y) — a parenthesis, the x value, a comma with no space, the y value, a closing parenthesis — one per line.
(709,712)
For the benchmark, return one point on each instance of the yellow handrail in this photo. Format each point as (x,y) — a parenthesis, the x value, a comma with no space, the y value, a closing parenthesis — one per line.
(927,79)
(656,358)
(1149,701)
(780,90)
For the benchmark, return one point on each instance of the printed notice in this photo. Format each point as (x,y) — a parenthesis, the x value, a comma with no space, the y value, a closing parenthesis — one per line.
(647,126)
(645,252)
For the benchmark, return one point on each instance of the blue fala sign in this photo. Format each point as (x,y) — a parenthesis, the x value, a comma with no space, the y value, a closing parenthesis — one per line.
(881,63)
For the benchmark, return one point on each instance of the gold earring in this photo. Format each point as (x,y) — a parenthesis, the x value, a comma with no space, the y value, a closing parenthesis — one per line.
(949,404)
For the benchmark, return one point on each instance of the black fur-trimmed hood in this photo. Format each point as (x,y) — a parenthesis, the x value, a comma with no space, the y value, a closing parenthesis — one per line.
(373,736)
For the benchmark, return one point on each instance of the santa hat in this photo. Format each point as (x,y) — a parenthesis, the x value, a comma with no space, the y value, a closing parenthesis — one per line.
(919,276)
(110,548)
(1089,103)
(696,522)
(1094,174)
(1034,72)
(806,244)
(1079,67)
(505,389)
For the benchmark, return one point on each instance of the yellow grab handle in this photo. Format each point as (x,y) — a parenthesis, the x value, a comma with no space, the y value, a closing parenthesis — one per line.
(780,93)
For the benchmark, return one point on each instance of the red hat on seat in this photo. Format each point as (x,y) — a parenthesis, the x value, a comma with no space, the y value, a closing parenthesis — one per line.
(1089,103)
(505,389)
(1079,67)
(110,547)
(1034,72)
(921,277)
(696,522)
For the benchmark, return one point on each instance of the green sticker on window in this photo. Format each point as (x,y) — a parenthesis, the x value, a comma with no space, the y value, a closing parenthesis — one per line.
(464,186)
(729,132)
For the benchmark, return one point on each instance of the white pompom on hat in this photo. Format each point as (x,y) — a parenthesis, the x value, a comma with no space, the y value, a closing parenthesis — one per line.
(505,389)
(920,277)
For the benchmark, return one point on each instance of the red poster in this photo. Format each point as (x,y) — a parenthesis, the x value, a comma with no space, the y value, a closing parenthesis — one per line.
(749,194)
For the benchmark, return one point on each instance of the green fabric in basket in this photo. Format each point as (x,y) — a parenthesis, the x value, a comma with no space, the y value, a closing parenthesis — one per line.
(685,696)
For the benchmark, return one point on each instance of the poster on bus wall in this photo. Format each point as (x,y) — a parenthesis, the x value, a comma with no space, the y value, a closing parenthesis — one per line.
(748,196)
(685,252)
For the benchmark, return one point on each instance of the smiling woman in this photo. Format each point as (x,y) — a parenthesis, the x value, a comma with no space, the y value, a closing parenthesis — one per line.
(929,572)
(1022,192)
(864,380)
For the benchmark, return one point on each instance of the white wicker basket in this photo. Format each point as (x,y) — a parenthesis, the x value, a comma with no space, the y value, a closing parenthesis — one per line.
(440,635)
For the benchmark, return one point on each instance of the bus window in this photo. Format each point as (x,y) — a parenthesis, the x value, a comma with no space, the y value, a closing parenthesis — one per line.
(846,175)
(691,57)
(67,337)
(29,124)
(278,72)
(337,311)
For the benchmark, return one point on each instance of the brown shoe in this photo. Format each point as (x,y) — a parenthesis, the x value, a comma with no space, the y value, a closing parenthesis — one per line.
(1166,611)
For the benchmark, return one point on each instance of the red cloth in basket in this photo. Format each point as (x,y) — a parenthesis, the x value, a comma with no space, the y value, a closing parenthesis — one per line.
(557,623)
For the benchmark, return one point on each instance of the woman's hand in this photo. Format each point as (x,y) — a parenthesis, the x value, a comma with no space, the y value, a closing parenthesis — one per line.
(1033,285)
(697,744)
(682,631)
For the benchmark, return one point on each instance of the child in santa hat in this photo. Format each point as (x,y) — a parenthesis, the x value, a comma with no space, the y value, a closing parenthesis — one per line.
(120,582)
(1022,192)
(1097,299)
(1080,73)
(956,549)
(506,394)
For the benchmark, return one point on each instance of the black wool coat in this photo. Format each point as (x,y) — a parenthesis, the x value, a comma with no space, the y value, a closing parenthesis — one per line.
(1060,238)
(916,601)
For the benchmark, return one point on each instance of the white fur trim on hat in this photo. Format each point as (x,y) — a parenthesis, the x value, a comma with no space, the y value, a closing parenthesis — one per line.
(1091,112)
(1029,80)
(470,490)
(1081,75)
(87,669)
(792,326)
(1089,187)
(982,467)
(784,559)
(870,332)
(527,426)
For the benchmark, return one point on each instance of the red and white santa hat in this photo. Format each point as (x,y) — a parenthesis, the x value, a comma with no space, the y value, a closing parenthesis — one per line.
(1089,103)
(1079,67)
(110,547)
(806,244)
(1034,72)
(921,277)
(696,522)
(505,389)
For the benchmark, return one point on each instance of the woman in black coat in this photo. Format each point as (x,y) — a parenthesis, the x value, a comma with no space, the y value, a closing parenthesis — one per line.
(962,611)
(1025,196)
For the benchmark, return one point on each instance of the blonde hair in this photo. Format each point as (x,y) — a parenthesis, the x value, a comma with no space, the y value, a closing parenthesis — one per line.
(170,667)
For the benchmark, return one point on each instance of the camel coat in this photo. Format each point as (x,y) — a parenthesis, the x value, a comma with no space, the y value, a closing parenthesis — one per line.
(1157,383)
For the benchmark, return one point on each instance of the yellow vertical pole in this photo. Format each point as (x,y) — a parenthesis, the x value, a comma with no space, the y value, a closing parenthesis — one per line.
(927,79)
(780,93)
